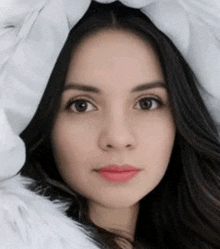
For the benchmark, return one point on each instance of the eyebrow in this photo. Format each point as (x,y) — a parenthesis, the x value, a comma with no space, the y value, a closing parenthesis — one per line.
(93,89)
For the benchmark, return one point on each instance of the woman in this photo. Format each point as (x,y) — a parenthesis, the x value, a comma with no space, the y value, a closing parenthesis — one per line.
(141,108)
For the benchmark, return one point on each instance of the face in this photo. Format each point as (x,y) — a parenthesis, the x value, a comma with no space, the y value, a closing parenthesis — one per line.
(114,111)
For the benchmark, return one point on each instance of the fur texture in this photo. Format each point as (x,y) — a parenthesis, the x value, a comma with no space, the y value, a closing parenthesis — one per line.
(31,221)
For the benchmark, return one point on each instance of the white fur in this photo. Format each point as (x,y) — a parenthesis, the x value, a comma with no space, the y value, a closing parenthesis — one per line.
(30,221)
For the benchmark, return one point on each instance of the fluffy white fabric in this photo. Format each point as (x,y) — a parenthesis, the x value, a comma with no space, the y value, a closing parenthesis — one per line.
(130,3)
(31,221)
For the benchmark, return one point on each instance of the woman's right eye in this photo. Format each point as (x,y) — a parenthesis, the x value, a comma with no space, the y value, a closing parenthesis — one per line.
(79,106)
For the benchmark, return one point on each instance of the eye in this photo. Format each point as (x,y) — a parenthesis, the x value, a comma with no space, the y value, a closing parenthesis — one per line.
(149,103)
(79,106)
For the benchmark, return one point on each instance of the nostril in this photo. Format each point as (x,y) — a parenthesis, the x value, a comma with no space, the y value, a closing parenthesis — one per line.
(127,146)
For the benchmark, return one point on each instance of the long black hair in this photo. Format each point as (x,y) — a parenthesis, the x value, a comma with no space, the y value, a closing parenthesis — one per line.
(183,211)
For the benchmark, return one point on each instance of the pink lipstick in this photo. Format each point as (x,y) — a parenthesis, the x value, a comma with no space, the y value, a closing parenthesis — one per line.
(115,173)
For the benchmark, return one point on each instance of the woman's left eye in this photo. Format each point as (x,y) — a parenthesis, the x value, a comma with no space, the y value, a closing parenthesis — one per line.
(149,103)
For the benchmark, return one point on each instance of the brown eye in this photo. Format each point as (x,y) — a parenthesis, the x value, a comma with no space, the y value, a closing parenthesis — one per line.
(149,103)
(79,106)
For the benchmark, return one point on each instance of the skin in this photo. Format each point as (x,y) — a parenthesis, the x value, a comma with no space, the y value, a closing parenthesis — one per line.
(113,128)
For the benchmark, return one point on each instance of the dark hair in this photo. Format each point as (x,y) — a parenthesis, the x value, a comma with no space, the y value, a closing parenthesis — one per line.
(183,211)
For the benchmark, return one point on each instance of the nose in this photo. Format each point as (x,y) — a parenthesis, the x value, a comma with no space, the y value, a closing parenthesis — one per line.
(117,135)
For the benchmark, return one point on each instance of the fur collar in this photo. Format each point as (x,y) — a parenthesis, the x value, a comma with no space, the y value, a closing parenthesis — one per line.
(31,221)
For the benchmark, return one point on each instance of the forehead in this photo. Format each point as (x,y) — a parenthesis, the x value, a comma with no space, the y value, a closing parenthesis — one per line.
(114,58)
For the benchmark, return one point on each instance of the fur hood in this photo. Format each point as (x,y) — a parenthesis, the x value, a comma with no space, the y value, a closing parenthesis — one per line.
(31,221)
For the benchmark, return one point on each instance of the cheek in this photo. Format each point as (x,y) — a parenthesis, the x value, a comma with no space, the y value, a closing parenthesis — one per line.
(69,139)
(72,149)
(161,135)
(157,140)
(158,130)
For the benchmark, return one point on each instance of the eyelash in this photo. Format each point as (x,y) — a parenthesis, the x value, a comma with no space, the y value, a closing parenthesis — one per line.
(73,101)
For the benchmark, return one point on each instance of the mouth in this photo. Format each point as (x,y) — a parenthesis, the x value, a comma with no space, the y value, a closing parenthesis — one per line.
(116,173)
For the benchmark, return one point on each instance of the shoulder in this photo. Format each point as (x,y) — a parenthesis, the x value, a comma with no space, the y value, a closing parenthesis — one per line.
(31,221)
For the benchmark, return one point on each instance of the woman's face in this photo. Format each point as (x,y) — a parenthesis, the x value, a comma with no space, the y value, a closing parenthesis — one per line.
(114,111)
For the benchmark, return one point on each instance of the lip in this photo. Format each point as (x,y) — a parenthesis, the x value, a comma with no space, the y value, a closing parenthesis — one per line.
(116,173)
(117,168)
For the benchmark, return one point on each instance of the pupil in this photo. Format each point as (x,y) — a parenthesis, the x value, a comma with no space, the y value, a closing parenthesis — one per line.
(81,105)
(145,103)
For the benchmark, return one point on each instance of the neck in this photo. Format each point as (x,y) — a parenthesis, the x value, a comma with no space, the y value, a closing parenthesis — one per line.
(121,221)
